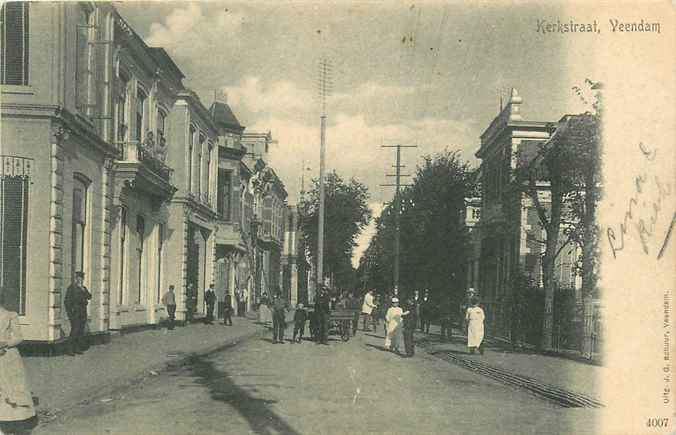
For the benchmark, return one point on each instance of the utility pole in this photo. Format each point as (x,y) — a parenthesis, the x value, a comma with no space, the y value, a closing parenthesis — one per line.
(397,209)
(324,92)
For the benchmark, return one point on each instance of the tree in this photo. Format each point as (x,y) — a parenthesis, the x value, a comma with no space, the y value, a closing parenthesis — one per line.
(346,215)
(432,237)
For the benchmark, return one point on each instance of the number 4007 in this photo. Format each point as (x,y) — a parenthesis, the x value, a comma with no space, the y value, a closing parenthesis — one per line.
(658,422)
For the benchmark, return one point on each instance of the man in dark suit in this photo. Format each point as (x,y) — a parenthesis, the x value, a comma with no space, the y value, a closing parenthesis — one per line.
(227,310)
(76,300)
(322,308)
(410,322)
(426,312)
(210,300)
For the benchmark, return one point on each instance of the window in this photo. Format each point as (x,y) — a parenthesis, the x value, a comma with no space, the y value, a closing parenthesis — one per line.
(476,213)
(14,44)
(79,225)
(208,174)
(160,250)
(198,166)
(14,187)
(121,299)
(84,77)
(224,194)
(191,149)
(140,239)
(161,123)
(121,117)
(141,99)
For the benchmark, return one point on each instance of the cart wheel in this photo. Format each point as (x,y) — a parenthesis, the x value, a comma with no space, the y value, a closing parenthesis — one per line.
(345,335)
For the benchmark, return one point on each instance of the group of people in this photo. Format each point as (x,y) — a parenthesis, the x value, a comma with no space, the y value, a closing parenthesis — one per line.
(400,320)
(210,300)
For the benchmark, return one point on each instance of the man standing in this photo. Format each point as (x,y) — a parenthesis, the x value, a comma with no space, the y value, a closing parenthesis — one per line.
(367,309)
(417,302)
(76,300)
(227,310)
(210,300)
(426,312)
(169,301)
(241,302)
(322,310)
(279,307)
(410,323)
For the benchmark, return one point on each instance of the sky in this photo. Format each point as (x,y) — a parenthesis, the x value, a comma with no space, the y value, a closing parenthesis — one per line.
(427,74)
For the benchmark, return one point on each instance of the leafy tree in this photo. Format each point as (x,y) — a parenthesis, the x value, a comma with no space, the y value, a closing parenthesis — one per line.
(346,213)
(433,239)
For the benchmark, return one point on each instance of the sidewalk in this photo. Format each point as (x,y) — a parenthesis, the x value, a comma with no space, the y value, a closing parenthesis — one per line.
(563,373)
(63,381)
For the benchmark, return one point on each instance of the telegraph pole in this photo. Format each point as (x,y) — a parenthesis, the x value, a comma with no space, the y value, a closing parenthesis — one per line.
(397,208)
(324,92)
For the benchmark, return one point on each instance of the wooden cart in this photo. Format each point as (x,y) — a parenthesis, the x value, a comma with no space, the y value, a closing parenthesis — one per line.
(340,320)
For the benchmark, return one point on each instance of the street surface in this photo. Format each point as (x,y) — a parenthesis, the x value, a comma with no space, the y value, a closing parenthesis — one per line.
(348,388)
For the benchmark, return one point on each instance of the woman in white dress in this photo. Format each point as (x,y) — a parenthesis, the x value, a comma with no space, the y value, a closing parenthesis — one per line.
(474,319)
(16,401)
(394,336)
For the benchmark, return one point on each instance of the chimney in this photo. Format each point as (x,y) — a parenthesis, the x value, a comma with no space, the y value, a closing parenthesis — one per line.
(514,106)
(220,96)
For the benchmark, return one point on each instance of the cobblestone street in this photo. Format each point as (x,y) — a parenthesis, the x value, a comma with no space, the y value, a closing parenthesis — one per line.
(354,387)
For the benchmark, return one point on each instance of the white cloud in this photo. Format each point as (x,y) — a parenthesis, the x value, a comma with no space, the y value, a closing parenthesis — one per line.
(187,30)
(279,97)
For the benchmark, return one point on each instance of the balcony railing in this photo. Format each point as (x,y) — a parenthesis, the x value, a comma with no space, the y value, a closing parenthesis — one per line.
(12,166)
(151,154)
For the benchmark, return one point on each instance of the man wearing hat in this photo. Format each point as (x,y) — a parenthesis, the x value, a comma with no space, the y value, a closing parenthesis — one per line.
(76,300)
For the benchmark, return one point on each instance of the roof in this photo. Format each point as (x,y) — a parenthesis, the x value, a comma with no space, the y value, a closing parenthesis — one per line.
(223,115)
(161,56)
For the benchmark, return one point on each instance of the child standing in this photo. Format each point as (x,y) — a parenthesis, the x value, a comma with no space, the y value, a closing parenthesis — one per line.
(299,319)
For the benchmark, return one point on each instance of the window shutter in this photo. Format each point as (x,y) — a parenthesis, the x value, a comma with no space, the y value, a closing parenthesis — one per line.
(13,232)
(14,61)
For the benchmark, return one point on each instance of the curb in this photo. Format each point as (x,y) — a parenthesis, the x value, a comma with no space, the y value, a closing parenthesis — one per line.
(553,393)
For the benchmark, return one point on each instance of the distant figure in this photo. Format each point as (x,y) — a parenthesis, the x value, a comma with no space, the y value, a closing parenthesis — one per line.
(393,319)
(240,294)
(447,314)
(16,401)
(367,309)
(279,307)
(426,312)
(354,304)
(210,300)
(417,301)
(410,322)
(475,326)
(190,302)
(169,301)
(227,309)
(299,319)
(314,325)
(322,310)
(76,301)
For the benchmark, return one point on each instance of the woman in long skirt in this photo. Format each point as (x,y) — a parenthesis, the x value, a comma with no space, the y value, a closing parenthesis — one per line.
(16,401)
(394,336)
(474,318)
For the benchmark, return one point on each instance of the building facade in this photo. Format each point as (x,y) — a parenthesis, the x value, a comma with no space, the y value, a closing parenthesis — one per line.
(510,233)
(109,166)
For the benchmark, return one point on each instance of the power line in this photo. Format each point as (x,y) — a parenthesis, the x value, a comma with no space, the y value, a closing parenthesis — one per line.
(397,185)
